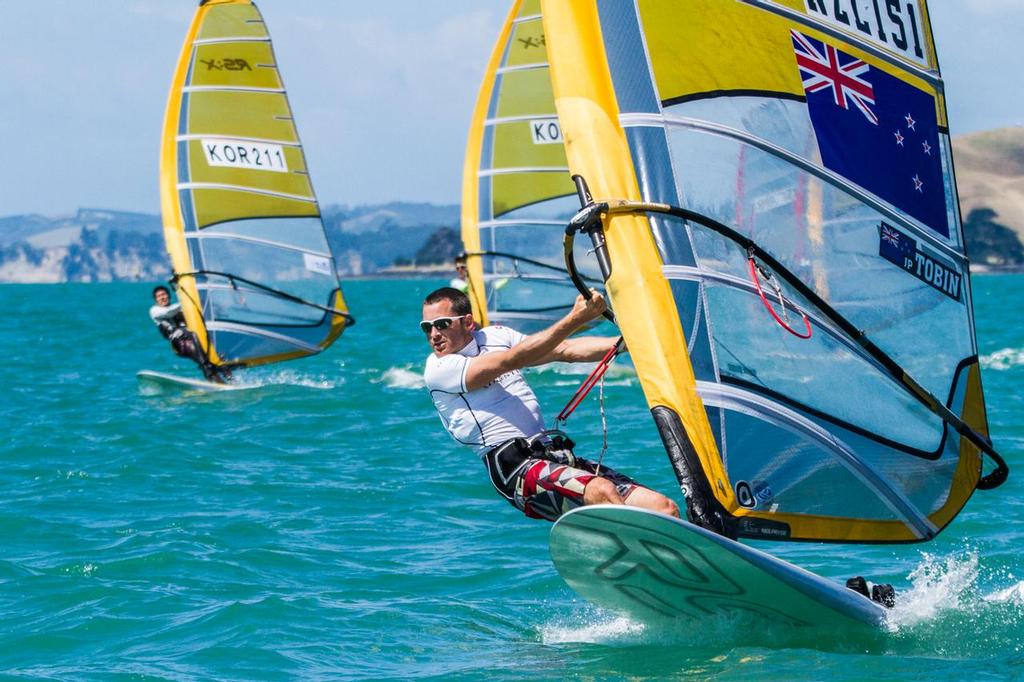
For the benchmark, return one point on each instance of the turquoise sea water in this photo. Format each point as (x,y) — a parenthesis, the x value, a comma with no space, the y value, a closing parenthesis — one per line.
(322,525)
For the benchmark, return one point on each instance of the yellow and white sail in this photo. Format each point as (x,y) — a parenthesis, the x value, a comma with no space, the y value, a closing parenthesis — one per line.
(783,142)
(516,192)
(255,275)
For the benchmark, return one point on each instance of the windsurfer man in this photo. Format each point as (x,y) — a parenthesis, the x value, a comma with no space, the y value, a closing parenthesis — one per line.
(475,380)
(171,322)
(461,279)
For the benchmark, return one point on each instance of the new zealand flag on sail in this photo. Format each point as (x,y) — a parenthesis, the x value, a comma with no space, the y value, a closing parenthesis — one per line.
(875,130)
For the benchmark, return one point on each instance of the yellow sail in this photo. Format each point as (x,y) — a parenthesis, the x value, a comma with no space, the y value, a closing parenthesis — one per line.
(517,193)
(255,275)
(771,164)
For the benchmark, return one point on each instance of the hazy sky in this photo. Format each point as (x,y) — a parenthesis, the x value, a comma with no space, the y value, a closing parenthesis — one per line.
(382,91)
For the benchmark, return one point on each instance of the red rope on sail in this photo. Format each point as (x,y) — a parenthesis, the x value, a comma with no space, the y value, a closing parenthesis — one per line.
(764,299)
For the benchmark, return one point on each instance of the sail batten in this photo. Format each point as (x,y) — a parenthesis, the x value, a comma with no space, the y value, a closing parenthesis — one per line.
(522,169)
(519,223)
(243,188)
(265,242)
(238,203)
(231,39)
(534,66)
(235,138)
(519,119)
(231,88)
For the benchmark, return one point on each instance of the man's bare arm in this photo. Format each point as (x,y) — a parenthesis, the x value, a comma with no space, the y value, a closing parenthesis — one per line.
(580,349)
(487,367)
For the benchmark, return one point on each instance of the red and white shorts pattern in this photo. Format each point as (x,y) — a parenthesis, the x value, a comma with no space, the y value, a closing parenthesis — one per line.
(548,488)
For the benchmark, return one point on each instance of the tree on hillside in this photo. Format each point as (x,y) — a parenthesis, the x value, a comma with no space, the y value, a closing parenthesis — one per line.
(990,243)
(440,247)
(21,250)
(80,264)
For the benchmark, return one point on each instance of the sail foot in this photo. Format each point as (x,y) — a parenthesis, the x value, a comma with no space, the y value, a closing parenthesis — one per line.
(702,508)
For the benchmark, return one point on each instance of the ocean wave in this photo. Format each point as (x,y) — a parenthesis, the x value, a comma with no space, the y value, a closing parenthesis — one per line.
(1004,359)
(1013,595)
(285,377)
(615,370)
(400,377)
(618,382)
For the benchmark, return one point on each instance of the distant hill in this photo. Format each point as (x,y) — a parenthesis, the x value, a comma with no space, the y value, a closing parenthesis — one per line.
(371,217)
(367,239)
(990,180)
(43,232)
(94,245)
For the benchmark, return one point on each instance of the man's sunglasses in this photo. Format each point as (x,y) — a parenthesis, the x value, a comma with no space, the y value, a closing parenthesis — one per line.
(440,323)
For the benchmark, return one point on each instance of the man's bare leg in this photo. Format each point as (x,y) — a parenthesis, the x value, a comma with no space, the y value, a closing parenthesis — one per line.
(655,501)
(602,491)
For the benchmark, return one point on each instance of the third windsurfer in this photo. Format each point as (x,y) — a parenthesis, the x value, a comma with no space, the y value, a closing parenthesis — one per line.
(461,279)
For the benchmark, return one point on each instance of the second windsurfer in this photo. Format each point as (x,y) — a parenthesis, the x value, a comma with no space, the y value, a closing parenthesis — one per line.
(171,322)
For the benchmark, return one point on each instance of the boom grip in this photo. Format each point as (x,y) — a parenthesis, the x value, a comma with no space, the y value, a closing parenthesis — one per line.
(582,191)
(588,220)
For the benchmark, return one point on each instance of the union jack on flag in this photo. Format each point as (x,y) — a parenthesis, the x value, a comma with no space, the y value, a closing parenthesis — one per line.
(890,235)
(837,71)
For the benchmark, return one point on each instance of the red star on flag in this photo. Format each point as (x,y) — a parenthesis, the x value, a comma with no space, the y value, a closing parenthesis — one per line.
(899,138)
(910,121)
(918,184)
(927,148)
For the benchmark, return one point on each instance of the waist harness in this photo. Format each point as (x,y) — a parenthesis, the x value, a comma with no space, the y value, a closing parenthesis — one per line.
(508,461)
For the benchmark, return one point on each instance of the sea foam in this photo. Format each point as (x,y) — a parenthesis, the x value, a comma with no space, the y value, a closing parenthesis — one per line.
(938,585)
(1004,359)
(400,377)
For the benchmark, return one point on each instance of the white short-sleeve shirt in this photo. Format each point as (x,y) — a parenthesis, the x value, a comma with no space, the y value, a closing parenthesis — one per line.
(159,313)
(487,417)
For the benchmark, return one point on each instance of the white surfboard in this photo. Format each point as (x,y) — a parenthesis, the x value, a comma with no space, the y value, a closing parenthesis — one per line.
(655,568)
(160,382)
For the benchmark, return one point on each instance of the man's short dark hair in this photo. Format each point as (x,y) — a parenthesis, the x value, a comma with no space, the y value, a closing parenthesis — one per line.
(162,288)
(460,258)
(459,301)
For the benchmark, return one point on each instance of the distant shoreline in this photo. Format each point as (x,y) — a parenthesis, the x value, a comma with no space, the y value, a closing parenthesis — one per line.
(407,272)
